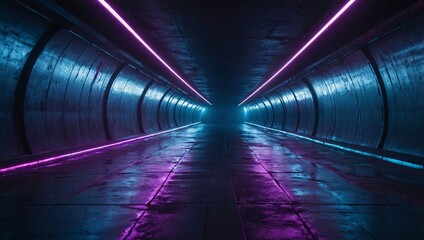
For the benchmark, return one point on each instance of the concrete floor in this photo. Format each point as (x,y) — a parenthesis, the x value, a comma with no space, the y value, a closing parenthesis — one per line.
(210,182)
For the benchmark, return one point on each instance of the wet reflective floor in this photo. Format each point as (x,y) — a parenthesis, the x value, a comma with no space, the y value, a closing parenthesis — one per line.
(213,182)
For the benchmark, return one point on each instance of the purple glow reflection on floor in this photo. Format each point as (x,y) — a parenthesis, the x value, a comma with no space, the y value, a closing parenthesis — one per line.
(89,150)
(128,230)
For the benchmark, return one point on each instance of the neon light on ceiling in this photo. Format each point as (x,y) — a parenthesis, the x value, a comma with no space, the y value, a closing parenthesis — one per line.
(134,33)
(326,26)
(88,150)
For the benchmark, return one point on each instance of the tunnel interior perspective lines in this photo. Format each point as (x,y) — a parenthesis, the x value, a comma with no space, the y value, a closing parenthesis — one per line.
(201,119)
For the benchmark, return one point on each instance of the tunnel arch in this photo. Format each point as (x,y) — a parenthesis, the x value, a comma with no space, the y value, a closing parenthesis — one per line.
(365,98)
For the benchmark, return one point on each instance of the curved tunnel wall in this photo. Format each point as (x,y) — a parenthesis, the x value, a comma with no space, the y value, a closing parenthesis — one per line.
(58,91)
(372,97)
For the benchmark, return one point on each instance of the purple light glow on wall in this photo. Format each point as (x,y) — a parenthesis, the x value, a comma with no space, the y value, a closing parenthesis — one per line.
(89,150)
(134,33)
(325,27)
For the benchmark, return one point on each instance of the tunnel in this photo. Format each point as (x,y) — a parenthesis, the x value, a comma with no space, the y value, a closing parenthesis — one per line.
(200,119)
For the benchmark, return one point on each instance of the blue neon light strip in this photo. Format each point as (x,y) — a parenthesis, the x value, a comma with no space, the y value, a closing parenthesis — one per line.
(387,159)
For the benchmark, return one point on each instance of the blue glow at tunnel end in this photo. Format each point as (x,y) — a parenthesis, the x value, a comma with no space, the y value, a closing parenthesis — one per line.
(368,154)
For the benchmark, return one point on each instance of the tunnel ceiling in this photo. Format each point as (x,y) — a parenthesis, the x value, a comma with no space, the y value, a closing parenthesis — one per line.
(227,48)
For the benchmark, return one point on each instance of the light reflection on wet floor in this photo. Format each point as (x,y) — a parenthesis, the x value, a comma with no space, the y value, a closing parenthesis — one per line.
(211,182)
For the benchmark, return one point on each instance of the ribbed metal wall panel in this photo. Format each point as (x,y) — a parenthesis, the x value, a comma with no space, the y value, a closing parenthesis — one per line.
(365,107)
(163,110)
(189,113)
(269,111)
(179,110)
(305,104)
(258,113)
(184,112)
(20,33)
(149,107)
(194,114)
(292,110)
(173,110)
(59,91)
(277,111)
(123,102)
(248,114)
(350,103)
(400,60)
(63,102)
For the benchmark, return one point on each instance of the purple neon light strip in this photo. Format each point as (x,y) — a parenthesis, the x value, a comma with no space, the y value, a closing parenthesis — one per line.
(326,26)
(134,33)
(73,154)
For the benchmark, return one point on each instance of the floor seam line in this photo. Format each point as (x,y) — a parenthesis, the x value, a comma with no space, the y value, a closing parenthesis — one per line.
(148,204)
(238,204)
(287,195)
